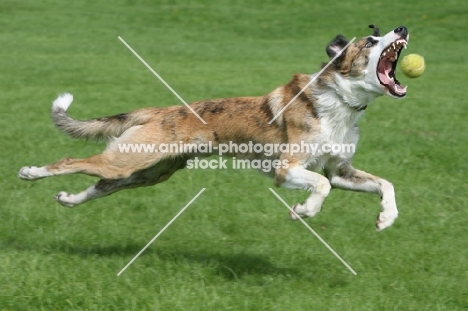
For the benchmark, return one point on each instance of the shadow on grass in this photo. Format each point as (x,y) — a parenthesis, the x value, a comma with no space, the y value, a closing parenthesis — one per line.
(230,266)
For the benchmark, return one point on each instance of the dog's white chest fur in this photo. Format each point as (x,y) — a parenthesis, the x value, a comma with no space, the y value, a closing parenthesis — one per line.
(337,128)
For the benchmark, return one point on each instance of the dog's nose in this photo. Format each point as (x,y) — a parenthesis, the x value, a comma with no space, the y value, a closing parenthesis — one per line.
(402,31)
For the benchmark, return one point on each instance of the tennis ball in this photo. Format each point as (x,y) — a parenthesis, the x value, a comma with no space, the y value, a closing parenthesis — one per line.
(413,65)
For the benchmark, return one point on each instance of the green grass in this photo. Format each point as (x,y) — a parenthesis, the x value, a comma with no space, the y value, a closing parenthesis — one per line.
(234,248)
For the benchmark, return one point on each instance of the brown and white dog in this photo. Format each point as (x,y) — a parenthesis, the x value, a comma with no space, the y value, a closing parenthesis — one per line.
(325,112)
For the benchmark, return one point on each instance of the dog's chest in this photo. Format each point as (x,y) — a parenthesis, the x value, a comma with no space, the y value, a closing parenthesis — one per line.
(337,126)
(338,131)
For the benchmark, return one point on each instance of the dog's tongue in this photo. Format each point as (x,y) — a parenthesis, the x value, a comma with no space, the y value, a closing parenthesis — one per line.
(383,70)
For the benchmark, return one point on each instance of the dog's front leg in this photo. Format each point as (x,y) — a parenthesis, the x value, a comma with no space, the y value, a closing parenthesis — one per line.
(344,176)
(298,177)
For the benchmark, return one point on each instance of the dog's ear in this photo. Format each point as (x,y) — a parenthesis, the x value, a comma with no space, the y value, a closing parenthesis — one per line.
(376,30)
(336,46)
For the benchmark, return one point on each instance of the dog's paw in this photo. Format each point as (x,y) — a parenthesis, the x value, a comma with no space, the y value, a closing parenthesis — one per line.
(29,173)
(293,216)
(65,199)
(303,211)
(299,212)
(385,220)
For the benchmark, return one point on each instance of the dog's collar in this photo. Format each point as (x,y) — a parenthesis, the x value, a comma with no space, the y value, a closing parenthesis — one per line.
(343,100)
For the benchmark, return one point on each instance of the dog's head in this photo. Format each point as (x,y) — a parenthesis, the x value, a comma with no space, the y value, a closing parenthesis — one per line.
(371,60)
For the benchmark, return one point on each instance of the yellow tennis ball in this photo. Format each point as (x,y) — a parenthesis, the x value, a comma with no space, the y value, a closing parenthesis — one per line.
(413,65)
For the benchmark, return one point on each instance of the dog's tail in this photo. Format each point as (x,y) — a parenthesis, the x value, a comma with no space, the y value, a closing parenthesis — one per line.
(94,129)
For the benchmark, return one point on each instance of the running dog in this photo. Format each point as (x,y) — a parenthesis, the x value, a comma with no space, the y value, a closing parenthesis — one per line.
(321,108)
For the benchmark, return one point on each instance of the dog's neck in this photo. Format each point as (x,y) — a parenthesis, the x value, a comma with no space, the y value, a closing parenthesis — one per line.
(345,101)
(340,105)
(354,93)
(351,92)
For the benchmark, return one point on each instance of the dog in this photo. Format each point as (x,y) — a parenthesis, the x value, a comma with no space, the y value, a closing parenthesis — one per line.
(318,108)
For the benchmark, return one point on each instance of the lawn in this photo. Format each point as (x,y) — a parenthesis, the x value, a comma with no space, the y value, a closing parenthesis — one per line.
(234,247)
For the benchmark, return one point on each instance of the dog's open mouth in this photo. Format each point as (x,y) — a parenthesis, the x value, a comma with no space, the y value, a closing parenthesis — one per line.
(387,66)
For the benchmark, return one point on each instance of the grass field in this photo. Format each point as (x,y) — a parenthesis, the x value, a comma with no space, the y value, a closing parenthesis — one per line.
(234,247)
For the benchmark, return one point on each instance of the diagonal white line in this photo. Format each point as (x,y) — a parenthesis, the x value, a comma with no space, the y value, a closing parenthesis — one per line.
(162,230)
(311,230)
(311,81)
(161,79)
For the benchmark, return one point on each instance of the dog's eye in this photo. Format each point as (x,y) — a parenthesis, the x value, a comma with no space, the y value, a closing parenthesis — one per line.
(369,44)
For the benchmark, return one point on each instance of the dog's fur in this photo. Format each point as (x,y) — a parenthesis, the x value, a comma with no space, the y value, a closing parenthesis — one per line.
(325,112)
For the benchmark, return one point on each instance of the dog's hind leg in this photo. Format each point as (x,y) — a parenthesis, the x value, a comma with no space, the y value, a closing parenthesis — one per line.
(93,192)
(33,173)
(98,165)
(104,187)
(298,177)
